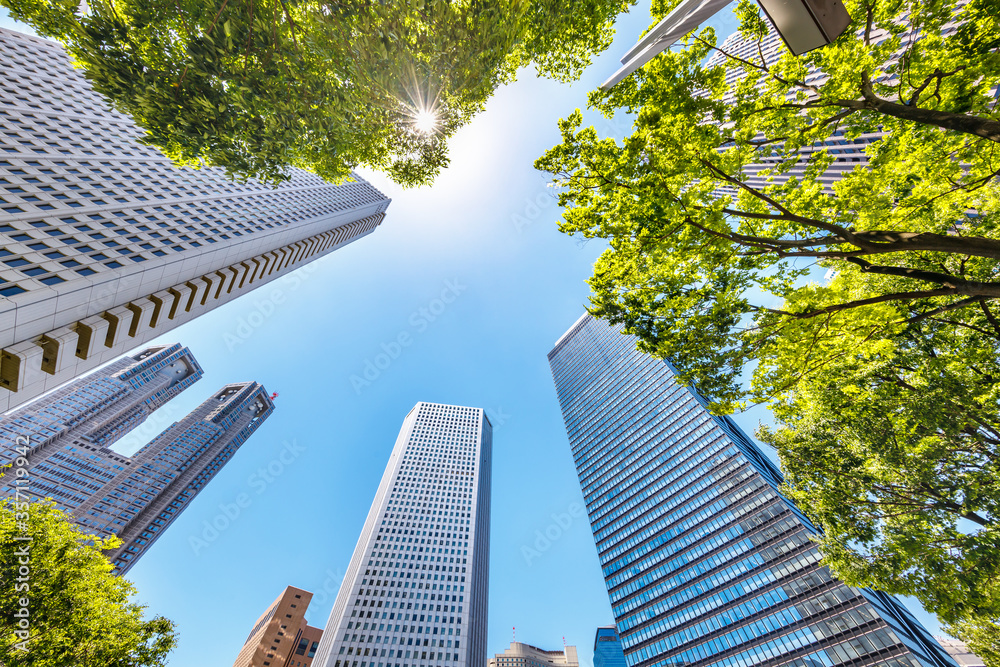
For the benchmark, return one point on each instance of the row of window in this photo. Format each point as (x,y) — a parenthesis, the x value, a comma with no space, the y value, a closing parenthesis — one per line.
(706,560)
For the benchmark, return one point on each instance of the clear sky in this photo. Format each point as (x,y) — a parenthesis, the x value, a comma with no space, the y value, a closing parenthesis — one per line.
(486,233)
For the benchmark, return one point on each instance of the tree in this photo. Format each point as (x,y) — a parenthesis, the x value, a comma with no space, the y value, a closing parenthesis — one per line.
(893,451)
(690,233)
(722,219)
(257,86)
(78,612)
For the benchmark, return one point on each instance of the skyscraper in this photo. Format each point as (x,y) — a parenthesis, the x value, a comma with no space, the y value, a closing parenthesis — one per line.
(845,150)
(608,648)
(281,637)
(416,590)
(526,655)
(960,652)
(70,433)
(705,562)
(104,245)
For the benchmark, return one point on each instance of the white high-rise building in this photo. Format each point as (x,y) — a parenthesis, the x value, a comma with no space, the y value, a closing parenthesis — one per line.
(960,653)
(416,591)
(105,245)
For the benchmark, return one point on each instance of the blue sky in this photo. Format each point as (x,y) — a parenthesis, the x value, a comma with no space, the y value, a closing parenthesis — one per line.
(486,233)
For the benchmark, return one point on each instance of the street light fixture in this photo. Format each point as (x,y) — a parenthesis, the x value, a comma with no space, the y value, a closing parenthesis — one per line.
(803,25)
(807,24)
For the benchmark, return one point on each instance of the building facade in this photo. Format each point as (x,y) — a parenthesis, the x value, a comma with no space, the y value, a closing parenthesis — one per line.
(104,245)
(846,151)
(282,637)
(526,655)
(68,437)
(706,563)
(416,590)
(960,653)
(608,648)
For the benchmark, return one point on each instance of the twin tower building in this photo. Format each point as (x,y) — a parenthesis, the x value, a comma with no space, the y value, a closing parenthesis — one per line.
(105,247)
(68,436)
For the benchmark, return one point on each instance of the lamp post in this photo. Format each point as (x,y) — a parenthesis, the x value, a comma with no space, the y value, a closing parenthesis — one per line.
(803,25)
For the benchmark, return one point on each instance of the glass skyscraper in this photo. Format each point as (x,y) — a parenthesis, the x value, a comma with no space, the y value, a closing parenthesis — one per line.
(416,590)
(68,435)
(608,648)
(705,562)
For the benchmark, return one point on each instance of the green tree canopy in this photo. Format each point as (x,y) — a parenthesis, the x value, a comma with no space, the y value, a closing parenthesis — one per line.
(893,451)
(256,86)
(863,307)
(691,230)
(78,612)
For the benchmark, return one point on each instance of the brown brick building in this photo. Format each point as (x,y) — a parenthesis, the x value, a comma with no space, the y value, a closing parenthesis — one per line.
(281,636)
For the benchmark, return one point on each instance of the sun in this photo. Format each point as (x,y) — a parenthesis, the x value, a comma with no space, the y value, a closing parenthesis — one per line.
(425,121)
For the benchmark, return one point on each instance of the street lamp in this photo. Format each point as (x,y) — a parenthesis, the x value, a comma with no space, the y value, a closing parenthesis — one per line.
(803,25)
(807,24)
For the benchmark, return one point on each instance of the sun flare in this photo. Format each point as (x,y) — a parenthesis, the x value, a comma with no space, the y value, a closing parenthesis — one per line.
(425,121)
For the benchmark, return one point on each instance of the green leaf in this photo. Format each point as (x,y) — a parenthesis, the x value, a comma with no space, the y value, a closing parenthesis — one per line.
(81,614)
(321,86)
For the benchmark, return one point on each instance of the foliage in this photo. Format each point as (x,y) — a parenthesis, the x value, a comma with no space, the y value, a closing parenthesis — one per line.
(256,86)
(722,216)
(893,451)
(79,613)
(691,230)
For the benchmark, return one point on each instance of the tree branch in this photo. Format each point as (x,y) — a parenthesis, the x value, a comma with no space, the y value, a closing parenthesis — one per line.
(986,128)
(291,25)
(874,242)
(937,75)
(762,67)
(953,284)
(894,296)
(989,316)
(943,309)
(958,323)
(811,222)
